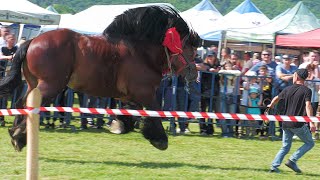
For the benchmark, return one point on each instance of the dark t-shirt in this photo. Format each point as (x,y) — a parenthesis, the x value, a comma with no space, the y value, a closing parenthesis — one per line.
(206,80)
(8,52)
(4,63)
(295,98)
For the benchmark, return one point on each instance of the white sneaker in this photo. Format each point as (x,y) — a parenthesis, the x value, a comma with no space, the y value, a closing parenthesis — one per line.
(187,130)
(178,130)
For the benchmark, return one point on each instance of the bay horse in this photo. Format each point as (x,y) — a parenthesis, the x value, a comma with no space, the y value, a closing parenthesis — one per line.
(125,62)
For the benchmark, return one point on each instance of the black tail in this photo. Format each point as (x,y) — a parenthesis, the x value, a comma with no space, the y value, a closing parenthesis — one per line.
(14,79)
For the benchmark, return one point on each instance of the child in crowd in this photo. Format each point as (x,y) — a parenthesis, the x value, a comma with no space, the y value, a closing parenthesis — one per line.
(265,82)
(249,83)
(254,101)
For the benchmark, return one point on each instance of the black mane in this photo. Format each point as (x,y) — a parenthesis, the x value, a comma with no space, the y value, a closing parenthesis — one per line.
(148,23)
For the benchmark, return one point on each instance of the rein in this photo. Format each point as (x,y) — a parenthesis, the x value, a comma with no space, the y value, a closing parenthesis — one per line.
(180,56)
(174,50)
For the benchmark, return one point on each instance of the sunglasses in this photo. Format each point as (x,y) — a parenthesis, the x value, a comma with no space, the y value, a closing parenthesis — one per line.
(266,54)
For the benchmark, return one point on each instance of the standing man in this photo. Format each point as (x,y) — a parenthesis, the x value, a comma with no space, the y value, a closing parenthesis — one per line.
(297,102)
(266,60)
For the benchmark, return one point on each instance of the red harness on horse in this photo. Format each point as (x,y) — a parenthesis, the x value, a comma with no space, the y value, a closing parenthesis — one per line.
(172,41)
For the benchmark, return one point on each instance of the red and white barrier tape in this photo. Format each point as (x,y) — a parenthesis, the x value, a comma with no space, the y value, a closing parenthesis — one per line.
(193,115)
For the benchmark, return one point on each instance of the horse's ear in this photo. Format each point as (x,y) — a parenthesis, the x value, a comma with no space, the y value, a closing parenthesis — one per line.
(172,41)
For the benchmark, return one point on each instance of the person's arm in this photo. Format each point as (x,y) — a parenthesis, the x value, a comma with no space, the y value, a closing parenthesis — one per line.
(282,76)
(274,101)
(246,85)
(254,68)
(309,112)
(3,57)
(201,67)
(260,100)
(249,102)
(215,69)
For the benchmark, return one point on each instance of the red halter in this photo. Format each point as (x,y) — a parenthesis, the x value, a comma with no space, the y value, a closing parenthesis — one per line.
(173,43)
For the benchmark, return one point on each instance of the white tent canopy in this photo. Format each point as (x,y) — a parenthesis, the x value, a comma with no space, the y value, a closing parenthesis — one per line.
(25,12)
(65,19)
(296,20)
(245,15)
(201,16)
(96,18)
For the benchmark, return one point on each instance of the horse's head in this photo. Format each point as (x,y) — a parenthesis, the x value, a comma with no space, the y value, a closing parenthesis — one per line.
(181,55)
(159,25)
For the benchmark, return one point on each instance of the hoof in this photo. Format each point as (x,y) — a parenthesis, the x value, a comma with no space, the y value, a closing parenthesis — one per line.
(161,145)
(117,127)
(17,146)
(18,138)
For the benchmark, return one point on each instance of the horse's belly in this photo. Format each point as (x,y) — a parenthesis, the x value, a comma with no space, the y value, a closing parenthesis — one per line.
(94,87)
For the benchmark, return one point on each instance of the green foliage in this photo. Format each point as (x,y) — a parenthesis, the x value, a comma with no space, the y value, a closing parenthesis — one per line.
(62,9)
(271,8)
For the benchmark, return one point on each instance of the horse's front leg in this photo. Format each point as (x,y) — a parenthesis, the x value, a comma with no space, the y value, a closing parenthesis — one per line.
(153,129)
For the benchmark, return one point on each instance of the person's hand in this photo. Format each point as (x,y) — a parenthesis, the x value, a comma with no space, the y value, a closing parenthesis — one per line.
(199,67)
(235,67)
(270,106)
(287,78)
(312,127)
(213,70)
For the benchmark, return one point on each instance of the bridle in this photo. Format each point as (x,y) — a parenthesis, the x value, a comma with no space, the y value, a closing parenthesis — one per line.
(180,57)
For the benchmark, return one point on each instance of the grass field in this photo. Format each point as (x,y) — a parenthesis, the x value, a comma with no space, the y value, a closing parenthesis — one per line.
(97,154)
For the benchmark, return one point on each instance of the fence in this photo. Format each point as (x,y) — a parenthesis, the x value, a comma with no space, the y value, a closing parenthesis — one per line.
(172,96)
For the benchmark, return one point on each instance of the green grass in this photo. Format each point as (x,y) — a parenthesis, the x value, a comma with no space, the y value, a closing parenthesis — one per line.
(97,154)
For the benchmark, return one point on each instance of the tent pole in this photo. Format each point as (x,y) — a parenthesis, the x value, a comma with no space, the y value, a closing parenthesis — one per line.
(225,39)
(220,44)
(274,46)
(20,31)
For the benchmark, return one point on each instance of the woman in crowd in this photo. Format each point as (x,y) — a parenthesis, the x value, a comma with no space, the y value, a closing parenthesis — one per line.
(210,90)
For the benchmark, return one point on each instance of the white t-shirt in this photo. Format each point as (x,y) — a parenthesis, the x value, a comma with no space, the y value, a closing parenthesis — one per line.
(313,86)
(2,42)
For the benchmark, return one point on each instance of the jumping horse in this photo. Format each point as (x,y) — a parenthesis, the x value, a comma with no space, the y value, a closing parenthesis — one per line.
(125,62)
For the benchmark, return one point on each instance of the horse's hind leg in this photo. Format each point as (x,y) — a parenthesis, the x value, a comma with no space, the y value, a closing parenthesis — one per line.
(18,131)
(125,124)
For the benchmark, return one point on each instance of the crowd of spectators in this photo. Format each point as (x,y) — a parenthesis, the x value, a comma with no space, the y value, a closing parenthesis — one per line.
(244,82)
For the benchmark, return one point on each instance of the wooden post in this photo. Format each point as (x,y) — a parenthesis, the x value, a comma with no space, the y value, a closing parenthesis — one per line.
(33,100)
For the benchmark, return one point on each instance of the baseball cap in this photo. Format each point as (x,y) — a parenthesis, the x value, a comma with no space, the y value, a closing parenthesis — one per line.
(302,73)
(254,90)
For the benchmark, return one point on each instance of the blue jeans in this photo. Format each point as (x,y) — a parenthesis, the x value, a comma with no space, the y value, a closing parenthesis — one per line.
(304,134)
(187,102)
(228,105)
